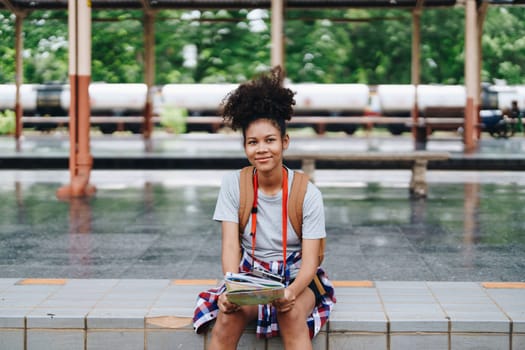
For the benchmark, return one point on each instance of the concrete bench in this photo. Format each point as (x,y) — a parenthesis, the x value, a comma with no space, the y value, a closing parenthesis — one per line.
(155,314)
(418,159)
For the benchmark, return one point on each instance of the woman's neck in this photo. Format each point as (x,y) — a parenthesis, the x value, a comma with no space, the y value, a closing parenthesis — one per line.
(271,183)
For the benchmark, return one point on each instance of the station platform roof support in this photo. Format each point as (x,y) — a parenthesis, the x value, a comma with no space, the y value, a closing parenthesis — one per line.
(474,16)
(237,4)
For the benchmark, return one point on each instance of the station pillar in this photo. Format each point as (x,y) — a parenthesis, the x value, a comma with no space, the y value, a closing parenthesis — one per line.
(19,77)
(277,54)
(149,76)
(419,132)
(472,72)
(80,159)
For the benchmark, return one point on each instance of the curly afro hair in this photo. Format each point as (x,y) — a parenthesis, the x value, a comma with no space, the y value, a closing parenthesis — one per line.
(263,97)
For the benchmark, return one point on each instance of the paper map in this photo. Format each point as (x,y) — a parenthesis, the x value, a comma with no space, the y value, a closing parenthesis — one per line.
(246,289)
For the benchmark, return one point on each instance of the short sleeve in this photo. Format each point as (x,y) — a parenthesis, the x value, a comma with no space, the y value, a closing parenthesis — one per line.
(227,207)
(313,214)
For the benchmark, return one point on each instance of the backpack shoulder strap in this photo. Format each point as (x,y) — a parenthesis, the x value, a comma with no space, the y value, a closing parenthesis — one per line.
(295,202)
(295,208)
(246,196)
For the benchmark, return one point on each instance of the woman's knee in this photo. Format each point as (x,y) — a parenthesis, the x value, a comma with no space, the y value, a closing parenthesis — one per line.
(291,319)
(297,316)
(231,326)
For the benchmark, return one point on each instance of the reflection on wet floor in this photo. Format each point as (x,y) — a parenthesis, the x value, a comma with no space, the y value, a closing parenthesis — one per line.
(461,232)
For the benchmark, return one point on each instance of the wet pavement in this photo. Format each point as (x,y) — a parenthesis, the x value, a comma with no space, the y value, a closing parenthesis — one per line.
(157,223)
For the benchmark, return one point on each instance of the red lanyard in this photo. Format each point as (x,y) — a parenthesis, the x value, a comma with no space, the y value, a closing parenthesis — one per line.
(284,211)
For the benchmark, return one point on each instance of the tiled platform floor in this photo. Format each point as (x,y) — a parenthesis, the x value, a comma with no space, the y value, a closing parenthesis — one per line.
(69,314)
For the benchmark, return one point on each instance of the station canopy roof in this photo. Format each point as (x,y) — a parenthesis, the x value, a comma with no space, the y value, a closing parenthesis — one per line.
(17,5)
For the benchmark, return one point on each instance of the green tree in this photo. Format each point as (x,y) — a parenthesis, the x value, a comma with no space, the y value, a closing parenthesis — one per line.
(503,45)
(327,46)
(381,48)
(7,48)
(117,46)
(316,48)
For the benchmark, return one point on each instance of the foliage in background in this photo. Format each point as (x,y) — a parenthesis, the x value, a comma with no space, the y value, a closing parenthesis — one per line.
(7,122)
(327,46)
(174,119)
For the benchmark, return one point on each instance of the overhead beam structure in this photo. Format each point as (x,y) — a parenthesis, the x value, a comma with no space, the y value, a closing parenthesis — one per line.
(241,4)
(231,4)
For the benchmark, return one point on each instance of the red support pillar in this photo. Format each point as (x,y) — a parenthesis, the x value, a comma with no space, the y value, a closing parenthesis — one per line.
(471,76)
(149,76)
(481,14)
(80,159)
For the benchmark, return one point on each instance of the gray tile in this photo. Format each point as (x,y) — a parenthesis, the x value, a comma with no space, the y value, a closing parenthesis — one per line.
(357,322)
(12,339)
(115,339)
(171,339)
(401,287)
(406,322)
(6,283)
(518,341)
(357,307)
(404,299)
(116,318)
(427,341)
(479,341)
(171,311)
(45,339)
(414,309)
(357,341)
(13,318)
(57,318)
(479,322)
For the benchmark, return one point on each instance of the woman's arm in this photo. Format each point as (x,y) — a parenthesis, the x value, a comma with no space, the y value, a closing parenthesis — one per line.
(231,248)
(231,258)
(309,264)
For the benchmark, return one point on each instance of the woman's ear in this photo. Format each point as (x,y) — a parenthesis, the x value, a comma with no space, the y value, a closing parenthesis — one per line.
(286,141)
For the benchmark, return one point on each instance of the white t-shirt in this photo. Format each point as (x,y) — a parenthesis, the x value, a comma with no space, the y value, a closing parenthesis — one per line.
(268,245)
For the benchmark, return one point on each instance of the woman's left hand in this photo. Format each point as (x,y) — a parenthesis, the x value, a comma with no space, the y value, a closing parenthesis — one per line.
(286,303)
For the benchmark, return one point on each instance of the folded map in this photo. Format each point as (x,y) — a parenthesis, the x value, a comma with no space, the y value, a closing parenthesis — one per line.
(246,289)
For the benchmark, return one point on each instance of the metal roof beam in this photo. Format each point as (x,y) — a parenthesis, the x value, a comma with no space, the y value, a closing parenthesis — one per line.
(147,5)
(9,5)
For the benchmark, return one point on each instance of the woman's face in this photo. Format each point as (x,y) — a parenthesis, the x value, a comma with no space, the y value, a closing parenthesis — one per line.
(264,145)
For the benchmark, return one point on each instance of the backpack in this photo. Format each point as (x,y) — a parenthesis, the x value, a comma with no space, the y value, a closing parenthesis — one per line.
(295,203)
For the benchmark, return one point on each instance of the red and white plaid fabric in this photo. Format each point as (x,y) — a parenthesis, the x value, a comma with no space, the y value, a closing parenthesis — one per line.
(207,309)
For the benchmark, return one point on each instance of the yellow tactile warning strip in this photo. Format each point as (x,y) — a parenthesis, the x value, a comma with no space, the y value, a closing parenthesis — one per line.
(193,282)
(353,284)
(503,285)
(42,281)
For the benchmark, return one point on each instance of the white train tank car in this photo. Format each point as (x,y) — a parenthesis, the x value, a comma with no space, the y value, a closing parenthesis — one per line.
(432,101)
(328,100)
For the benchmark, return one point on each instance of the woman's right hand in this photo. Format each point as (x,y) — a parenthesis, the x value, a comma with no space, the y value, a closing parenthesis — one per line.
(227,307)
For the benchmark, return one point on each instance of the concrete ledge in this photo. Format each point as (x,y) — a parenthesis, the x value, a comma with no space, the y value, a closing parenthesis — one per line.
(156,314)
